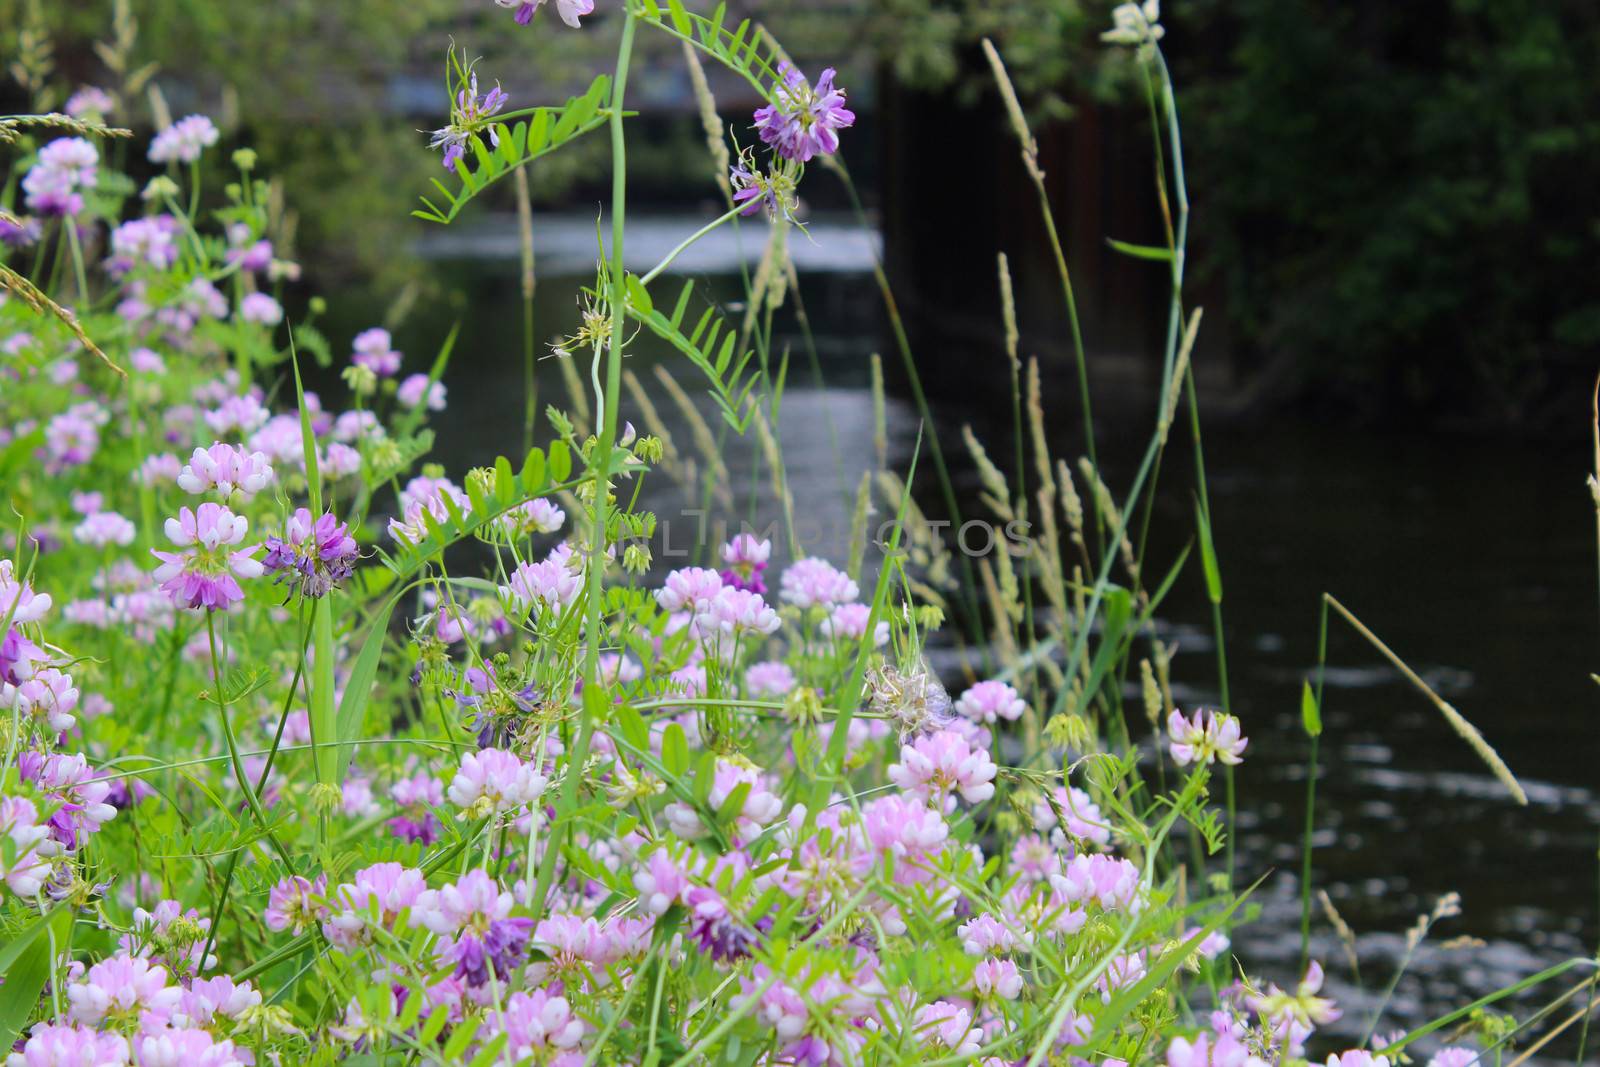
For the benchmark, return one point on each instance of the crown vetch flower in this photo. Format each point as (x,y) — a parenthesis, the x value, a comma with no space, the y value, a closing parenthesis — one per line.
(533,1022)
(492,782)
(260,308)
(481,935)
(569,10)
(1212,1050)
(18,601)
(91,102)
(417,391)
(940,765)
(66,166)
(122,987)
(60,1045)
(1084,820)
(548,585)
(169,1047)
(998,979)
(151,241)
(743,559)
(470,115)
(690,589)
(104,528)
(802,121)
(378,894)
(291,904)
(813,581)
(374,348)
(184,140)
(24,865)
(1303,1007)
(314,556)
(229,470)
(988,702)
(204,575)
(737,611)
(81,801)
(48,696)
(1207,736)
(416,796)
(531,517)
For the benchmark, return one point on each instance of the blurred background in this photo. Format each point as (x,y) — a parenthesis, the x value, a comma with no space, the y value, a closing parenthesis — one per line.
(1395,239)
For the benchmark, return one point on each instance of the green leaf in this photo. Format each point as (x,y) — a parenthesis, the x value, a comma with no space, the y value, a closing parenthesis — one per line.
(1141,251)
(1208,557)
(637,295)
(27,972)
(505,483)
(532,477)
(674,750)
(634,730)
(308,439)
(358,690)
(680,17)
(1310,714)
(560,461)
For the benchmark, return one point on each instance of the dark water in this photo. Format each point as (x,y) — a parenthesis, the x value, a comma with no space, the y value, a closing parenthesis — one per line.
(1474,560)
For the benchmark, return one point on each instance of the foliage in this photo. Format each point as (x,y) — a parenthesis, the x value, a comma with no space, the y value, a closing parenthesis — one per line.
(1437,270)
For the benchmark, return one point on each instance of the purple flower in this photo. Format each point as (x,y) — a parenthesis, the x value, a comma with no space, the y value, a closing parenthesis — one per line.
(123,988)
(91,102)
(813,581)
(383,890)
(743,560)
(470,115)
(261,308)
(569,10)
(291,905)
(533,1022)
(416,796)
(20,234)
(481,936)
(184,140)
(801,122)
(494,781)
(939,765)
(375,350)
(418,390)
(548,585)
(315,556)
(713,928)
(151,241)
(51,1045)
(18,601)
(987,702)
(204,574)
(1208,736)
(66,166)
(24,865)
(228,469)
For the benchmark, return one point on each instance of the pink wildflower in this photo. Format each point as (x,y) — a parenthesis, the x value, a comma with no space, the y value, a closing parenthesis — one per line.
(940,765)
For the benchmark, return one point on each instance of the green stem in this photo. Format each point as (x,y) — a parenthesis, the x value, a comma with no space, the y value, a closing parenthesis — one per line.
(656,270)
(239,774)
(530,382)
(69,226)
(593,573)
(261,783)
(1311,796)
